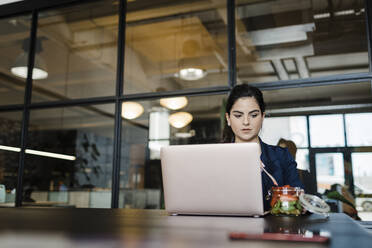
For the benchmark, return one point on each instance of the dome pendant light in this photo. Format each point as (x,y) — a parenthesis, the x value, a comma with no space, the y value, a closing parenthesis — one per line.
(20,67)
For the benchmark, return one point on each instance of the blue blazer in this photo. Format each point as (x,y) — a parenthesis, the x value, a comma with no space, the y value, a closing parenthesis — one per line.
(281,165)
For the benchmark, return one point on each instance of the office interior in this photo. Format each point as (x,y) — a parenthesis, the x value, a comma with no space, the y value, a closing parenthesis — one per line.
(113,81)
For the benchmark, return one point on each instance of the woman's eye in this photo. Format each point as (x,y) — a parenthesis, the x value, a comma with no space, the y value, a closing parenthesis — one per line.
(238,116)
(254,115)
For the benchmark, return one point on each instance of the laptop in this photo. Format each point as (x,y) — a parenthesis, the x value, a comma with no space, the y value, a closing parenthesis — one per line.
(212,179)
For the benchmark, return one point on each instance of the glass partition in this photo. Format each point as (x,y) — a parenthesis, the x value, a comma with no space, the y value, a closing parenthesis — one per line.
(76,52)
(362,173)
(292,39)
(150,125)
(329,170)
(69,157)
(326,131)
(358,129)
(175,45)
(14,48)
(292,128)
(10,132)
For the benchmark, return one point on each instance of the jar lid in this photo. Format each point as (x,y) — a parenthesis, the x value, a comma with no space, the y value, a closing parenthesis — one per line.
(314,204)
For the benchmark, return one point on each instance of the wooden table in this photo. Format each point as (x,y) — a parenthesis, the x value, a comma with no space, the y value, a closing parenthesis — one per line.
(154,228)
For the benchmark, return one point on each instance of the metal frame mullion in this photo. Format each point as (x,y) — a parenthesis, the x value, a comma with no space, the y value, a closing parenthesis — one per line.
(118,106)
(188,92)
(26,109)
(231,42)
(21,7)
(368,11)
(73,102)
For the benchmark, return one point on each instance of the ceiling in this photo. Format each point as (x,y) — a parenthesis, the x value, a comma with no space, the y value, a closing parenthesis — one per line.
(276,40)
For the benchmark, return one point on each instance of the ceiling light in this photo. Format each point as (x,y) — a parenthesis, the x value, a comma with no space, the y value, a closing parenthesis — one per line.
(322,15)
(345,12)
(50,154)
(131,110)
(20,67)
(180,119)
(191,74)
(39,153)
(174,103)
(185,135)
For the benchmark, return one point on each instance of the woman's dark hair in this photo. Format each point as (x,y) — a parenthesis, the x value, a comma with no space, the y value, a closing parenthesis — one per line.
(239,91)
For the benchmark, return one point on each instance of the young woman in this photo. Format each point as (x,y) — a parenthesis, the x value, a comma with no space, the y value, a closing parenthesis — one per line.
(245,112)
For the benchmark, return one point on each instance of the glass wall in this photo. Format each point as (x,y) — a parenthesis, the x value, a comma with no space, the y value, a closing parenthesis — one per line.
(174,46)
(171,46)
(358,129)
(362,172)
(10,130)
(14,47)
(329,170)
(292,39)
(76,52)
(293,128)
(69,157)
(327,131)
(162,122)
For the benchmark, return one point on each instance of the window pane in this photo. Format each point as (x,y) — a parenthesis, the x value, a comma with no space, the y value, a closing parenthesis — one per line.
(157,126)
(362,173)
(281,40)
(10,129)
(326,131)
(358,129)
(292,128)
(329,170)
(179,45)
(14,44)
(77,48)
(324,99)
(76,171)
(302,159)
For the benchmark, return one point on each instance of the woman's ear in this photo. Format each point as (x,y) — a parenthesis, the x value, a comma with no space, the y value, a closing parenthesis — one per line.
(227,119)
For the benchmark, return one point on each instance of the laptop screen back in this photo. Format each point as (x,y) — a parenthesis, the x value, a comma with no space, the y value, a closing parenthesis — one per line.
(213,179)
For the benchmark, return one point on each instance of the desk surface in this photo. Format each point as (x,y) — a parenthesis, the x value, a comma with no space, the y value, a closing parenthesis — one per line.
(153,228)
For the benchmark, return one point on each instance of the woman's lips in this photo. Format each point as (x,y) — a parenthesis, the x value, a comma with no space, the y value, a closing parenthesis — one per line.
(246,130)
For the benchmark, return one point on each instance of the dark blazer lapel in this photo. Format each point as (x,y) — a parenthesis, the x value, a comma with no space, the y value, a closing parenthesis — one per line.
(265,157)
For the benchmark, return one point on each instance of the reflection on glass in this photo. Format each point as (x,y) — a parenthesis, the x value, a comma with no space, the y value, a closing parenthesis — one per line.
(178,46)
(292,128)
(329,170)
(69,161)
(358,129)
(10,129)
(77,49)
(327,98)
(14,47)
(142,139)
(326,130)
(281,40)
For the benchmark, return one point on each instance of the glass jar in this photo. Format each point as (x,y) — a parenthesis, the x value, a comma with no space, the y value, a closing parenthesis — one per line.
(285,200)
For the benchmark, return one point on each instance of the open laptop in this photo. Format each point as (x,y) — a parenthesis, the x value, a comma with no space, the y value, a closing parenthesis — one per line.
(212,179)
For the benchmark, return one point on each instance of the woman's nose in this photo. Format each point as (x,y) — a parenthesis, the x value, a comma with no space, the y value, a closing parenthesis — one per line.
(246,120)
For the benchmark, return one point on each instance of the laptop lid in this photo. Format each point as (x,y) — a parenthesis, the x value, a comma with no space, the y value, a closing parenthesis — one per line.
(212,179)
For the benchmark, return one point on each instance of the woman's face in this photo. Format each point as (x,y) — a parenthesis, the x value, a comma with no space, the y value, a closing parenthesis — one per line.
(245,119)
